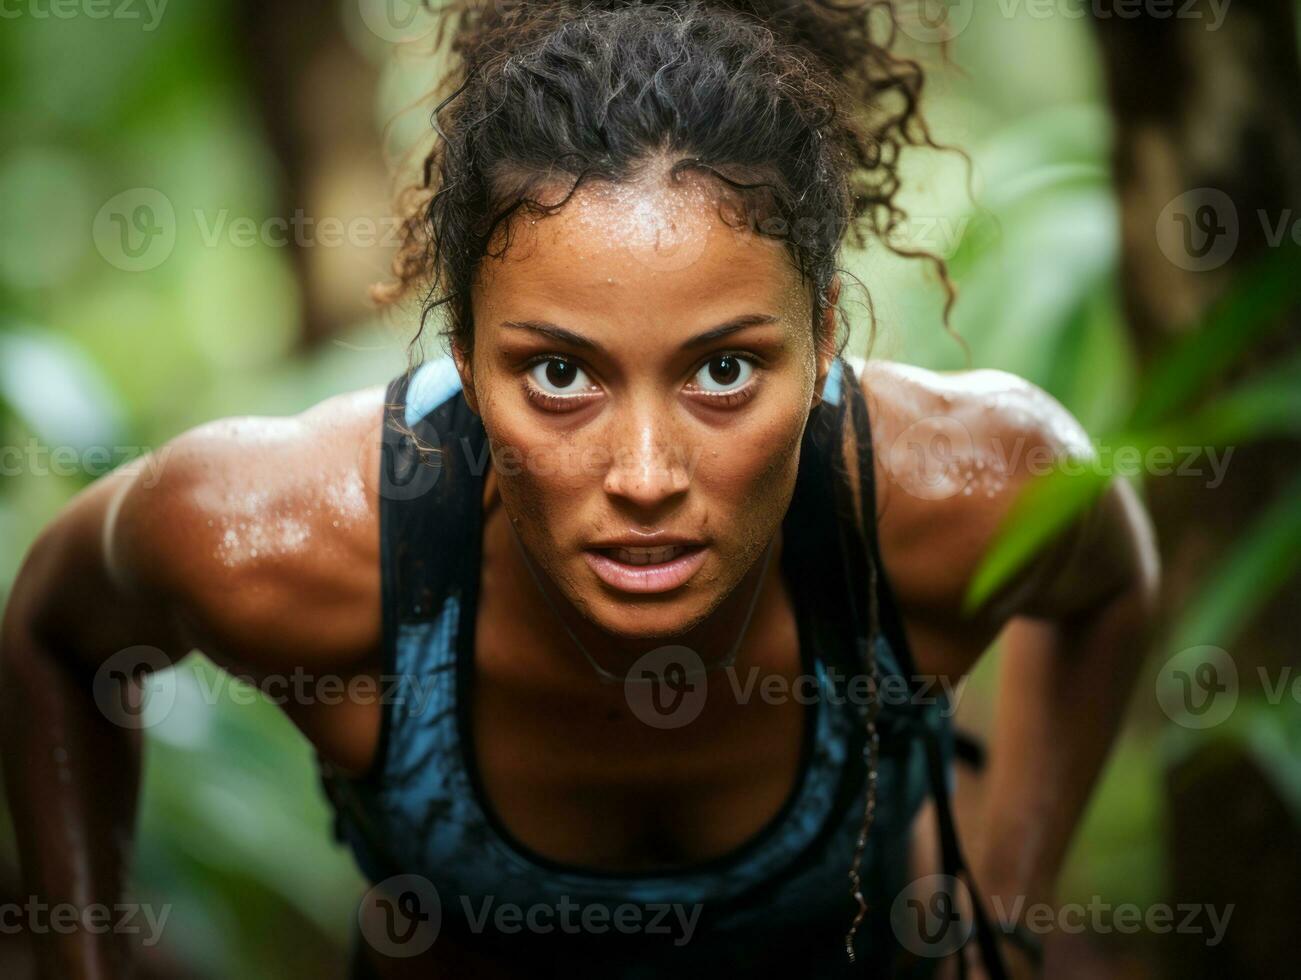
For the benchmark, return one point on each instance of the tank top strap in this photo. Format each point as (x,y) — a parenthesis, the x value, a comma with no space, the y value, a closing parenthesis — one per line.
(889,617)
(434,455)
(932,723)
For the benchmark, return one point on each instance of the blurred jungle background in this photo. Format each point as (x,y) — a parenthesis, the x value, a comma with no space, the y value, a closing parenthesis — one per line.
(194,198)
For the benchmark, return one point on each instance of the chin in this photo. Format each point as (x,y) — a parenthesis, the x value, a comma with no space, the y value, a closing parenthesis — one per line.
(646,618)
(657,617)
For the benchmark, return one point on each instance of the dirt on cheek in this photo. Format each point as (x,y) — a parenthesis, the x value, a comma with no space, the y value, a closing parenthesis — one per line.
(748,510)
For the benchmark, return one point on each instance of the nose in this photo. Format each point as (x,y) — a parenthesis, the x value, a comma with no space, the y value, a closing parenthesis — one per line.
(648,464)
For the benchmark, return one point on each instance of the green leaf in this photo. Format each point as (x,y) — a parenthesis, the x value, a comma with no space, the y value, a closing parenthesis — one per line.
(1045,507)
(1266,405)
(1263,560)
(1253,307)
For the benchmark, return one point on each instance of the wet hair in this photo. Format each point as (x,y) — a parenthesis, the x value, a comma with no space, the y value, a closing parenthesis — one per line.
(799,109)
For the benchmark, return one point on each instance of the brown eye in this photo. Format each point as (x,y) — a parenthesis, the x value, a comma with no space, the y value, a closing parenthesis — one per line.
(561,373)
(725,372)
(555,376)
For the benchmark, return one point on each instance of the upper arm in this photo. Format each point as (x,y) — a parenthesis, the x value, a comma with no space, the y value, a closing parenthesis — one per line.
(253,539)
(955,452)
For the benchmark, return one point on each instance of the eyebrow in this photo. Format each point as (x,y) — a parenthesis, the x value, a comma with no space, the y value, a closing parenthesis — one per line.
(574,339)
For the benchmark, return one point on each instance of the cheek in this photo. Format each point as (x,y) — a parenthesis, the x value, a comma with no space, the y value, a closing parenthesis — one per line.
(540,474)
(749,478)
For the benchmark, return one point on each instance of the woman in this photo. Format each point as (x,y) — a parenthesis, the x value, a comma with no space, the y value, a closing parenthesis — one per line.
(645,599)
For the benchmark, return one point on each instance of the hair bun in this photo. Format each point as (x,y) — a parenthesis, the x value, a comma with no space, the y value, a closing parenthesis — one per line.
(847,37)
(839,34)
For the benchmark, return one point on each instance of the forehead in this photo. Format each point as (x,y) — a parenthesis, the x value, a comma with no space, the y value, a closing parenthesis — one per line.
(666,256)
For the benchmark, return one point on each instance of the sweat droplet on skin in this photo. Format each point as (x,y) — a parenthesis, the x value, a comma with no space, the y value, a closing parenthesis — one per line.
(256,524)
(653,217)
(347,497)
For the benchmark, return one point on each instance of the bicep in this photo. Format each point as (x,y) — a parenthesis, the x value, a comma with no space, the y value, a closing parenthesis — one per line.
(1107,550)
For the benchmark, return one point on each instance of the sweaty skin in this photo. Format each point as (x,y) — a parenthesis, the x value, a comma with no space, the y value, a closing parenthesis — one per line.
(257,543)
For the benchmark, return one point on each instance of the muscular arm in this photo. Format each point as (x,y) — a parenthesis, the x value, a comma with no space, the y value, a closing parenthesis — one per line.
(1074,622)
(71,774)
(250,539)
(1070,660)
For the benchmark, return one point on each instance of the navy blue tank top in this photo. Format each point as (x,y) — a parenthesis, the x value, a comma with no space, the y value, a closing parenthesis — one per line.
(779,902)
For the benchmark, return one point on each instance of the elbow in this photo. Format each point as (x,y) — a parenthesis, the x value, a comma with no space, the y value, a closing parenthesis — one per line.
(30,614)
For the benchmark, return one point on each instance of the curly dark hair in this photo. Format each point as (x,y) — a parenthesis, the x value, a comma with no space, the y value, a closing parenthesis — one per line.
(799,106)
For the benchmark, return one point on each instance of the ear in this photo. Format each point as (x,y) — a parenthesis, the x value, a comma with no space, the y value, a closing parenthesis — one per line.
(463,362)
(825,341)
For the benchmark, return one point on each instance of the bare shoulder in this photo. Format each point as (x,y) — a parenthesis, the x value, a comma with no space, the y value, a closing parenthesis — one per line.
(952,451)
(261,533)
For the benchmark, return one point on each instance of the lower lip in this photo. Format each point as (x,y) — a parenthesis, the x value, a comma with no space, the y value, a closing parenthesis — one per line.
(661,577)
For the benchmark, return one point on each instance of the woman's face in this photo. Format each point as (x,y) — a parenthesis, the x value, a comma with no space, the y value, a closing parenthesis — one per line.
(643,370)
